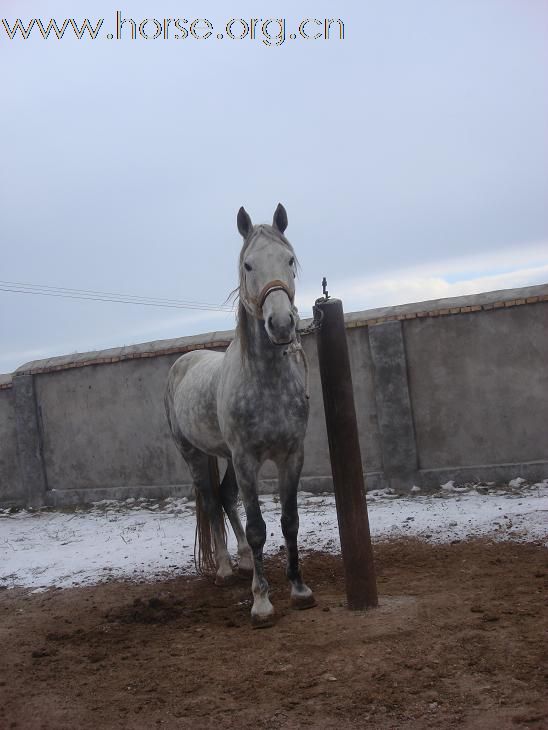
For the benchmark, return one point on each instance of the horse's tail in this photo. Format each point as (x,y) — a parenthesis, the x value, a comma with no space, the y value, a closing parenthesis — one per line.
(204,547)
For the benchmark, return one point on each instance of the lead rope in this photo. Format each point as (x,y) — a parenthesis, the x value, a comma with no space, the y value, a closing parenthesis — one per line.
(296,348)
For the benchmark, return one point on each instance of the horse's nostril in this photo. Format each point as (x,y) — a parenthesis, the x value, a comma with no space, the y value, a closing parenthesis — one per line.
(292,320)
(270,322)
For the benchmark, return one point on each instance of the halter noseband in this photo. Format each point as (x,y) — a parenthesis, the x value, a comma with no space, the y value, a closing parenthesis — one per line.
(275,285)
(254,305)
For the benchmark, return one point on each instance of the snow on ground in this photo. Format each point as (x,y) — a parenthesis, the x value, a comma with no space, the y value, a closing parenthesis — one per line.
(143,540)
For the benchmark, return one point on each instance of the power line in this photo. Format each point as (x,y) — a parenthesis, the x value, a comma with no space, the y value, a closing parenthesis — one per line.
(108,294)
(115,297)
(119,300)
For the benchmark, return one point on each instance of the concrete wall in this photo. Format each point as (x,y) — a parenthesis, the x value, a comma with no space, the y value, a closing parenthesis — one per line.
(81,412)
(446,389)
(11,485)
(497,384)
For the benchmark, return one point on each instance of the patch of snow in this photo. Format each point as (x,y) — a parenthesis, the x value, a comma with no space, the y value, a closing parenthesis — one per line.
(517,482)
(148,541)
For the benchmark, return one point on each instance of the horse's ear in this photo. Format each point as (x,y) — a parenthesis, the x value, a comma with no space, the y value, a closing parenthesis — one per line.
(244,222)
(280,218)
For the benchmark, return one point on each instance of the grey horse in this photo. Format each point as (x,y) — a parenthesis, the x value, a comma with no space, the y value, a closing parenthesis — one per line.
(247,405)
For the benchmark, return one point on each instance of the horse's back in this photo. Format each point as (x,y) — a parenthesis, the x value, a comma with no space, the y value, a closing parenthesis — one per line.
(188,362)
(191,400)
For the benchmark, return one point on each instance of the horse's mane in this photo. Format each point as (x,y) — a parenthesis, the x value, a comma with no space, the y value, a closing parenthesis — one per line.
(242,315)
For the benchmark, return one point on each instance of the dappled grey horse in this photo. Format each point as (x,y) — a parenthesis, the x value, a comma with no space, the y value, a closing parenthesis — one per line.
(247,405)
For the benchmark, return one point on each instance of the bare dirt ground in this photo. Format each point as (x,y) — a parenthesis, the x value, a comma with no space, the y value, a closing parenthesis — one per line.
(458,640)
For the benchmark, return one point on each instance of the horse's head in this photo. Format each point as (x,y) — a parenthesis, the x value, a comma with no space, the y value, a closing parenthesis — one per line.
(267,274)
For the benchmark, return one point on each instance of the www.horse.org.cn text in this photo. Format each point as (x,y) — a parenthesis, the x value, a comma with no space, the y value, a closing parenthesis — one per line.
(269,31)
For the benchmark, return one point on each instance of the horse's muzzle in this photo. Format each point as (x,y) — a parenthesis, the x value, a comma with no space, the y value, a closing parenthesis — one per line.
(280,328)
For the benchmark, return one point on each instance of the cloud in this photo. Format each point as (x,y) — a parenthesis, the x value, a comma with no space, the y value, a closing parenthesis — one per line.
(174,326)
(510,268)
(519,266)
(9,360)
(185,324)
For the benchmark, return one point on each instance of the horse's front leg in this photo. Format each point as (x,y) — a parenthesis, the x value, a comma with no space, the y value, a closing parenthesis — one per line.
(247,469)
(289,471)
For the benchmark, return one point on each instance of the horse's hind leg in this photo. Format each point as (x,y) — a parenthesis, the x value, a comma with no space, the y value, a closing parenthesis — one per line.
(229,499)
(199,465)
(289,471)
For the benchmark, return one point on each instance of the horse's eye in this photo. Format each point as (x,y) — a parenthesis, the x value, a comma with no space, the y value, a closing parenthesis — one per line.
(291,261)
(247,266)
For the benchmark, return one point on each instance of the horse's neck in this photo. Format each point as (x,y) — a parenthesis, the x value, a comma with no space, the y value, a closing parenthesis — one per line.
(262,356)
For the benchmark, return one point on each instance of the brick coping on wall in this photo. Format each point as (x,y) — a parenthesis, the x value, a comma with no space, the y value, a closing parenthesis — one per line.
(433,308)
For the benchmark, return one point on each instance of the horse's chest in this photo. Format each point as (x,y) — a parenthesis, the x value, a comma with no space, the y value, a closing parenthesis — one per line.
(270,417)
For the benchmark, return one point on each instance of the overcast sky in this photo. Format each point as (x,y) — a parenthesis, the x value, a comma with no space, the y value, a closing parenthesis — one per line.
(411,158)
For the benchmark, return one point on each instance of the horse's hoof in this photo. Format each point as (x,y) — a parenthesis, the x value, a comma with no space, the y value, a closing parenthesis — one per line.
(224,580)
(302,602)
(262,622)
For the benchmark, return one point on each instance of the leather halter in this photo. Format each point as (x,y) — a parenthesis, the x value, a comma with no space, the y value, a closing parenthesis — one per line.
(275,285)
